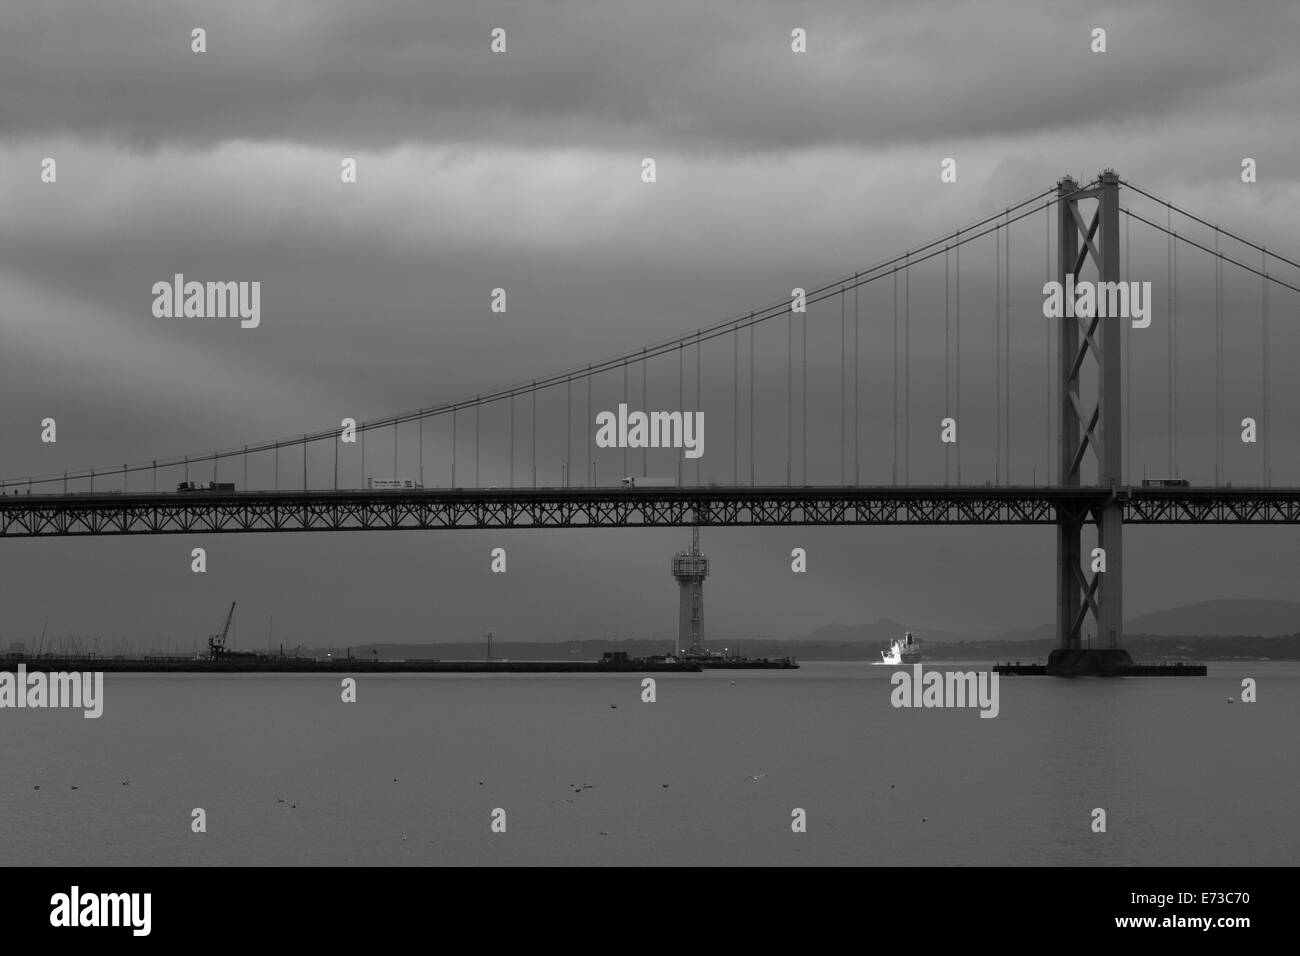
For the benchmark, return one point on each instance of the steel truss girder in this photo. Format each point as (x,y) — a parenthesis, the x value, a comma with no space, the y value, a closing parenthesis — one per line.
(289,512)
(115,514)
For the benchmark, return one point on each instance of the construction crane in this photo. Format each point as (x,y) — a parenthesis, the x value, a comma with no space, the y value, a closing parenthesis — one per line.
(217,642)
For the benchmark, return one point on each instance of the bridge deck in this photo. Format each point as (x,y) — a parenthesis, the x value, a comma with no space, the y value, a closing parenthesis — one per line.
(116,513)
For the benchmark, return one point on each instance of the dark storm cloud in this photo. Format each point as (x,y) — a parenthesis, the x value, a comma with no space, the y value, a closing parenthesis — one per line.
(712,75)
(521,171)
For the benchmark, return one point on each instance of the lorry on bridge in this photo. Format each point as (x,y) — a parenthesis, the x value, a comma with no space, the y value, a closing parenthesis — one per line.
(634,482)
(188,486)
(393,484)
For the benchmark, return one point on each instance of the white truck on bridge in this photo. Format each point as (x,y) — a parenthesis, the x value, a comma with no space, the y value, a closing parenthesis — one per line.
(633,482)
(394,484)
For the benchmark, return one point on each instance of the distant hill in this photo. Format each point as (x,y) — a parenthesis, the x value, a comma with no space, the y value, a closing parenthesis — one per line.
(1254,616)
(878,633)
(1230,628)
(1143,647)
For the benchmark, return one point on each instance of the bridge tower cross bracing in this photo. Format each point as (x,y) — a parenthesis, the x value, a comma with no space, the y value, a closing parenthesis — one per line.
(1080,592)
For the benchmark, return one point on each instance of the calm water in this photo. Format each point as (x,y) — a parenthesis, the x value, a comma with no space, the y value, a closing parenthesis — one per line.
(1185,777)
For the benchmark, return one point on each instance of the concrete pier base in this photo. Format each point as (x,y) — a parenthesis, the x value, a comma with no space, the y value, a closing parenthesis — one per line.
(1099,662)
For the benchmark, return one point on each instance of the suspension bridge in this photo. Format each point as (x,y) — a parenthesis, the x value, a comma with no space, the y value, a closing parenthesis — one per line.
(1051,443)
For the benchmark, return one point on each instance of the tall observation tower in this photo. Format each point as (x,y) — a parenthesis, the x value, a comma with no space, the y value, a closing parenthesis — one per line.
(690,568)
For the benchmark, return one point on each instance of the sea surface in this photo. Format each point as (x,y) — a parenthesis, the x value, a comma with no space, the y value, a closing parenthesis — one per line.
(710,773)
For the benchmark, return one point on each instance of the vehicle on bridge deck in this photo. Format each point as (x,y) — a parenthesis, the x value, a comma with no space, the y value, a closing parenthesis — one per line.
(1166,483)
(633,482)
(393,484)
(188,486)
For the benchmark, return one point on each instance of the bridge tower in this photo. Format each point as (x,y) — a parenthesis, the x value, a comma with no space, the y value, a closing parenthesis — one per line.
(690,568)
(1081,592)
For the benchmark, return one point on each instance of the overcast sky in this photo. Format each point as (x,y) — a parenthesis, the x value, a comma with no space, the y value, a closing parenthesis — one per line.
(522,170)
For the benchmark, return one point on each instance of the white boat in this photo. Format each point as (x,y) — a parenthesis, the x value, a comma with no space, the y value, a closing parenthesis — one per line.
(902,650)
